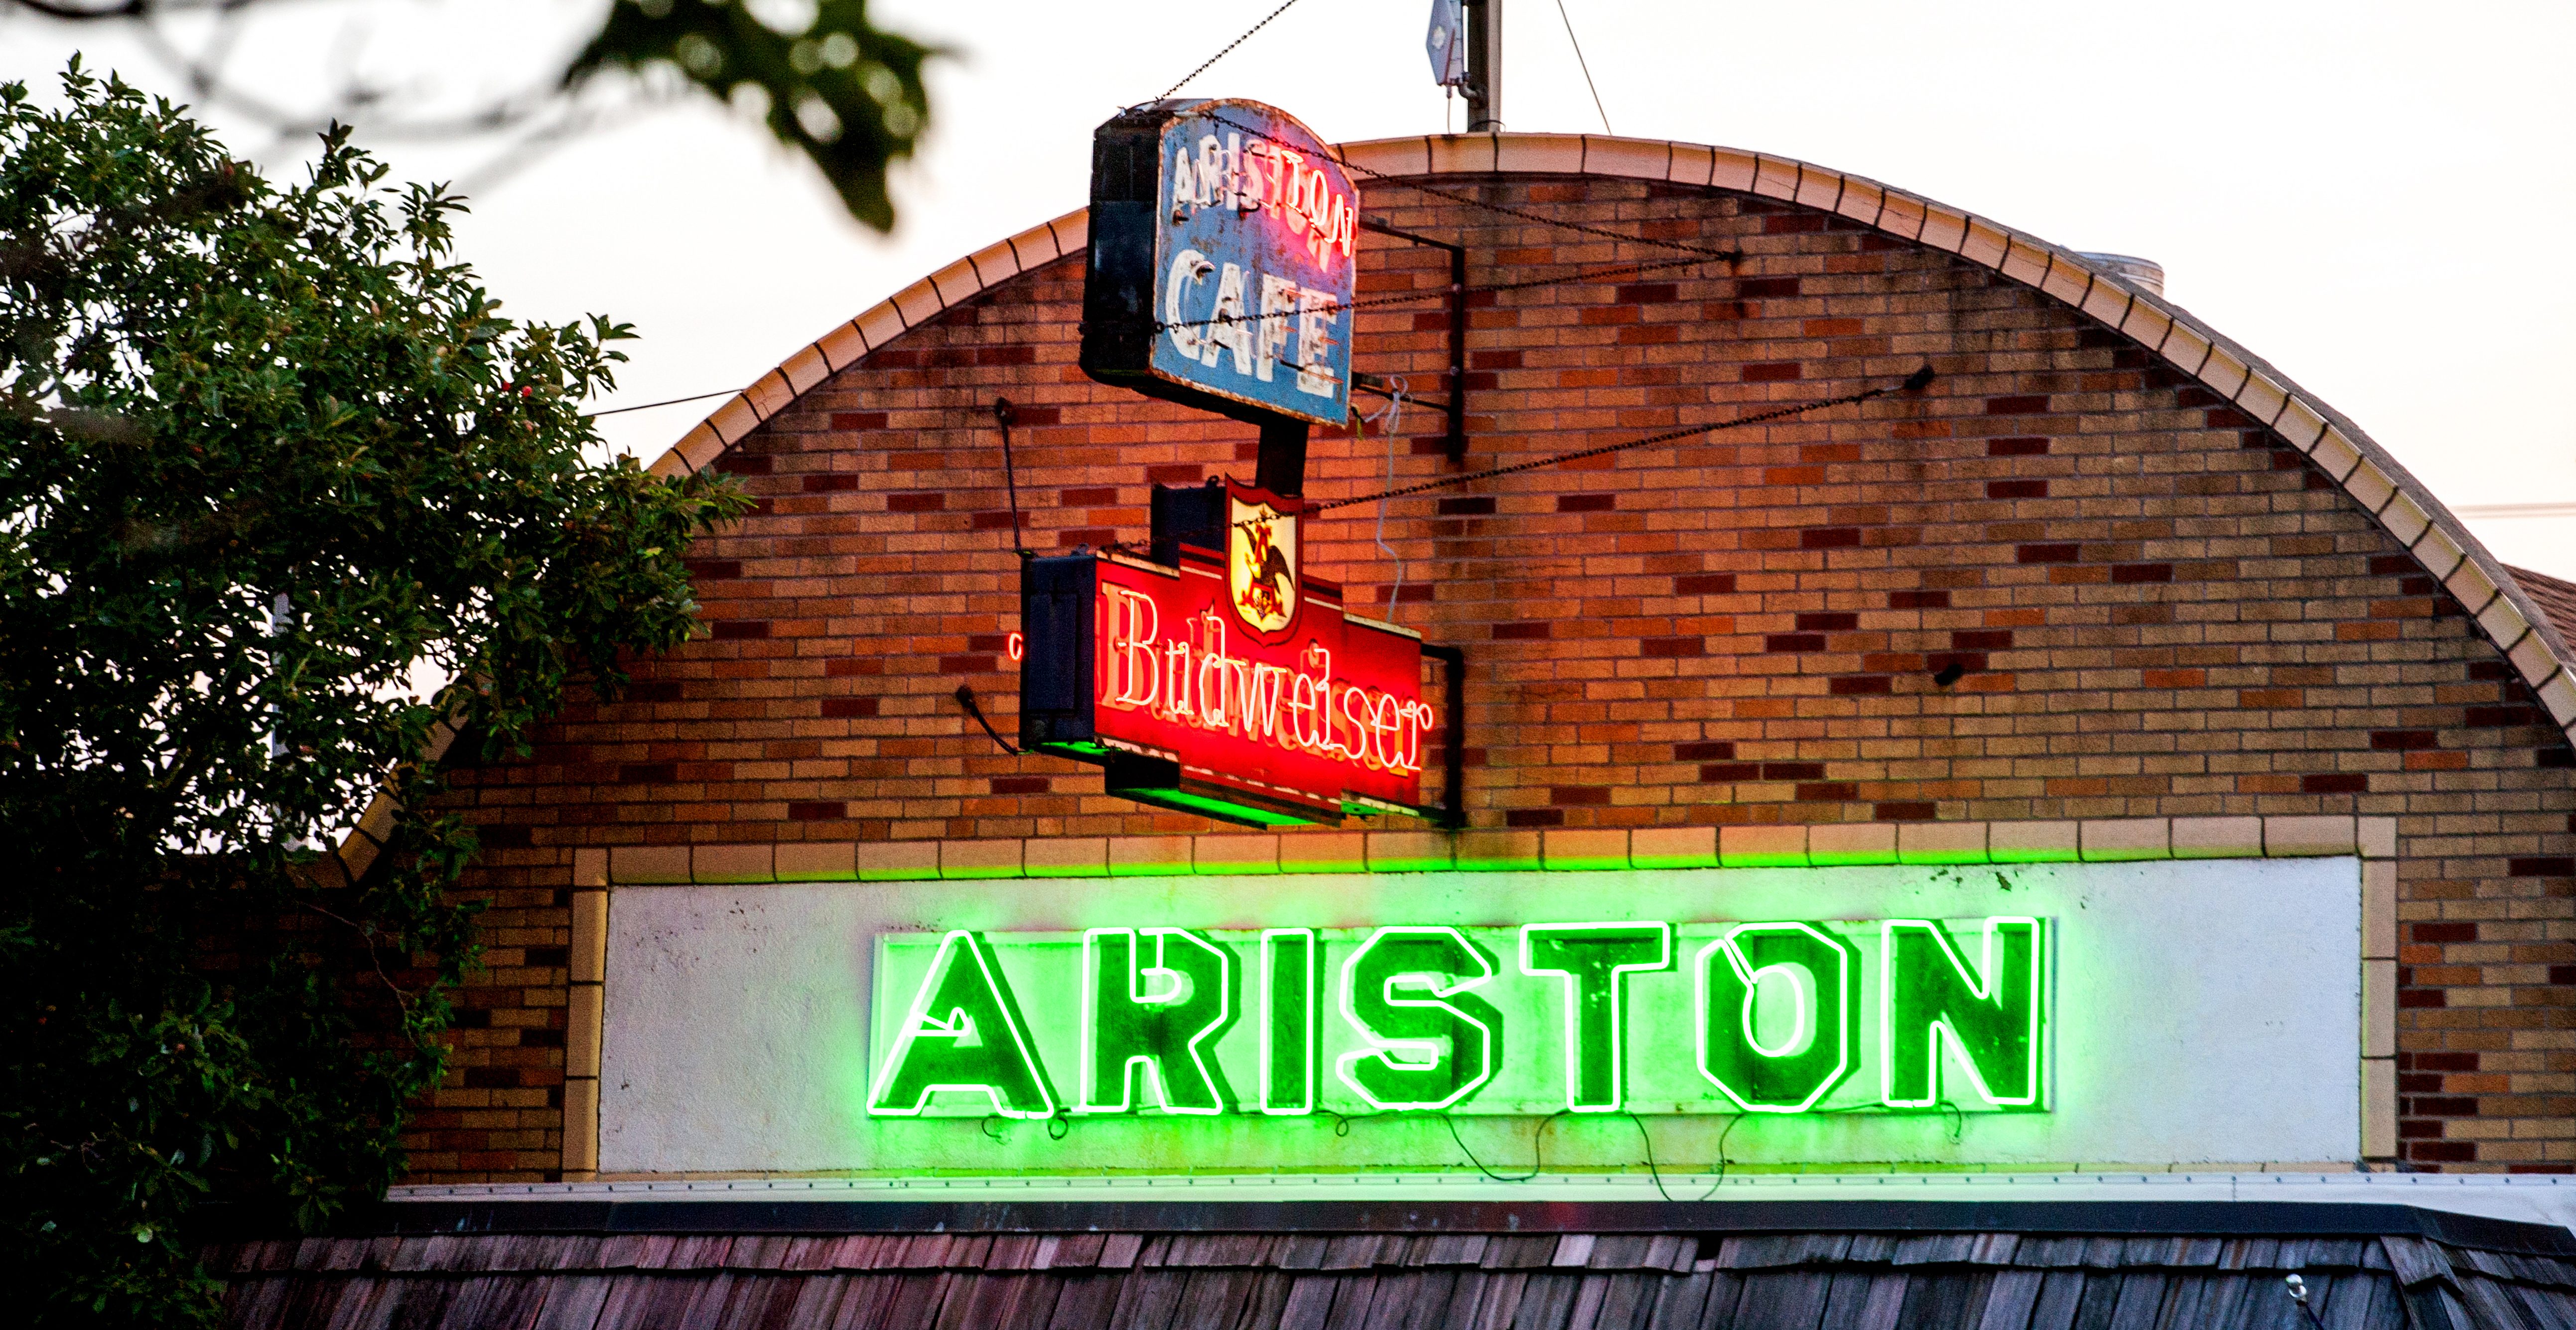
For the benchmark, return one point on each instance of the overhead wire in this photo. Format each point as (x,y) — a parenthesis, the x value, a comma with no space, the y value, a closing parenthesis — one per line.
(1465,200)
(1585,66)
(1913,382)
(1393,415)
(647,406)
(1442,294)
(1229,50)
(1705,253)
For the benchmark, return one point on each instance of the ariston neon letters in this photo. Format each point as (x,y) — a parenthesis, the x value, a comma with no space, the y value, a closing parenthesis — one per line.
(1784,1017)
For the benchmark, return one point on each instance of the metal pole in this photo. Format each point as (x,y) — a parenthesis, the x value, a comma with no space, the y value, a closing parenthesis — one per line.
(1484,66)
(1453,796)
(1457,440)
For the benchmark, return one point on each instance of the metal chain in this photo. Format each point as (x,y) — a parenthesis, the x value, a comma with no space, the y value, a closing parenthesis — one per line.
(1914,382)
(1229,50)
(1506,209)
(1375,302)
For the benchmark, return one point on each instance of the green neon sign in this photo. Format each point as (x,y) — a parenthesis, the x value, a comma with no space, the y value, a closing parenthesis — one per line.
(964,1036)
(1804,1057)
(1595,961)
(1152,1019)
(1768,1016)
(1428,1042)
(1290,1017)
(1990,1013)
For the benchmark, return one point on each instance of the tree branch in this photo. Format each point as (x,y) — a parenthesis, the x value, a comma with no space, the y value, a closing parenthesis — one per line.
(202,72)
(82,13)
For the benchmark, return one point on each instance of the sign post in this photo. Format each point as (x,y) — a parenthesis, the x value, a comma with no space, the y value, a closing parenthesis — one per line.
(1218,677)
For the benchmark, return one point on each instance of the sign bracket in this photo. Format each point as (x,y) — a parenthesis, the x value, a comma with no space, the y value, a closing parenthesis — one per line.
(1455,442)
(1452,813)
(1281,464)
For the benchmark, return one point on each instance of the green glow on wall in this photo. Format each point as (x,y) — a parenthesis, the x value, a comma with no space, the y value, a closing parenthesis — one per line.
(1291,960)
(963,1034)
(1429,1041)
(1153,1019)
(1991,1015)
(1595,960)
(1790,1073)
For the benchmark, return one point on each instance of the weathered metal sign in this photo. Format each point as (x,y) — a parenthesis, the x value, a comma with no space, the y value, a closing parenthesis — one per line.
(1640,1016)
(1222,239)
(1232,685)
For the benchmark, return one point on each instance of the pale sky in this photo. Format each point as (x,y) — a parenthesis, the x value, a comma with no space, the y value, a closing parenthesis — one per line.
(2375,197)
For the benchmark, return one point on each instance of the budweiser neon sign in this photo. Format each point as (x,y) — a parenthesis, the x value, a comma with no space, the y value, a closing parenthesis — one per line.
(1231,684)
(1194,680)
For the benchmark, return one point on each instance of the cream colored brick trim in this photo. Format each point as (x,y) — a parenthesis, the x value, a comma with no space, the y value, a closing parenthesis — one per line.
(582,1018)
(2373,478)
(1232,854)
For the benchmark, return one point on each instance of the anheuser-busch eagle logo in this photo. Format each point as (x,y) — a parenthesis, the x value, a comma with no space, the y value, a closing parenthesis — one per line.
(1262,561)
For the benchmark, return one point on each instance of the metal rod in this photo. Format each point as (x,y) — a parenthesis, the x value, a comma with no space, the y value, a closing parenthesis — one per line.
(1454,444)
(1453,798)
(1003,415)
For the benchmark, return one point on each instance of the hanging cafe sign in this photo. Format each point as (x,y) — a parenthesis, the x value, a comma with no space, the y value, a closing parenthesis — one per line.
(1221,261)
(1779,1017)
(1231,685)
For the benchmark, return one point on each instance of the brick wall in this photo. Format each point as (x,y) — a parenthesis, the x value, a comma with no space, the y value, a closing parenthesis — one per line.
(2145,604)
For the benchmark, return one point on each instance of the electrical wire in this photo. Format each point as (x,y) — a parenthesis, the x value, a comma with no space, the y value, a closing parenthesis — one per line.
(1914,382)
(1393,415)
(1720,1179)
(1538,1148)
(647,406)
(1472,202)
(965,696)
(1429,297)
(1586,67)
(1229,50)
(1651,1170)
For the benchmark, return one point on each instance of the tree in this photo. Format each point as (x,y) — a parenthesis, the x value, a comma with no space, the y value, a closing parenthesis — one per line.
(831,85)
(268,455)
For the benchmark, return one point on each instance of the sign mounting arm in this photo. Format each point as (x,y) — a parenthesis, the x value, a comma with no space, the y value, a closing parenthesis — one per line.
(1455,444)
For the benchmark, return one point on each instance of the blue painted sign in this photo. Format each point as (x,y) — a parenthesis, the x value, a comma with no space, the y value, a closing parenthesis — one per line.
(1223,239)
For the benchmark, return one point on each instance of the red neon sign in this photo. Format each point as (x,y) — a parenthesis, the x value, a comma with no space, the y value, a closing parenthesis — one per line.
(1271,178)
(1335,709)
(1233,683)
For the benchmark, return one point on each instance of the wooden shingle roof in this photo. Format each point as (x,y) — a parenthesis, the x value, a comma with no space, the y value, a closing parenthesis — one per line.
(2013,1271)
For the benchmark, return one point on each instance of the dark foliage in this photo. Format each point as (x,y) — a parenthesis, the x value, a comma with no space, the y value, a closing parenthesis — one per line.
(267,457)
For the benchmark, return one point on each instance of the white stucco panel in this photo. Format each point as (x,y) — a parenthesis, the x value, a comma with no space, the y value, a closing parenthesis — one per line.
(2204,1011)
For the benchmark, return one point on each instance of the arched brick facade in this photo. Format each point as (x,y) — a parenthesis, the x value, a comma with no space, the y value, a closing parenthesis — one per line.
(2176,590)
